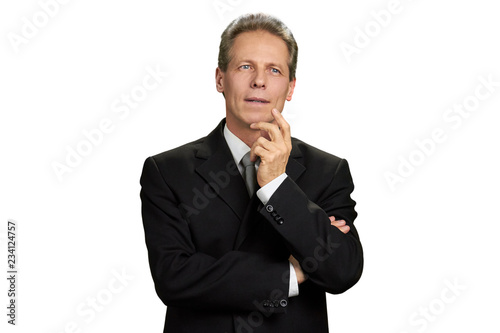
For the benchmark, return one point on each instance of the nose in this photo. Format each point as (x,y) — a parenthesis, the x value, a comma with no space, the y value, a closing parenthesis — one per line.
(259,79)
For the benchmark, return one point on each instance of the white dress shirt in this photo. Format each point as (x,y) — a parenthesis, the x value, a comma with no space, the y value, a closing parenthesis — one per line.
(238,149)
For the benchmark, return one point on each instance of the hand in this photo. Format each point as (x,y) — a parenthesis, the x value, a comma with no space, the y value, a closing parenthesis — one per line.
(273,152)
(301,277)
(340,224)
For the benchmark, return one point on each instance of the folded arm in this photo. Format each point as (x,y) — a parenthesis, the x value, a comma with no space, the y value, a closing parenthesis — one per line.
(185,277)
(329,257)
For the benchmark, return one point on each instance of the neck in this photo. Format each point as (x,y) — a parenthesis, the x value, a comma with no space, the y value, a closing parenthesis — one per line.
(247,135)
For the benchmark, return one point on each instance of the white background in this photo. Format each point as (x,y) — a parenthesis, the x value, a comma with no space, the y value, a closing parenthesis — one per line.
(437,227)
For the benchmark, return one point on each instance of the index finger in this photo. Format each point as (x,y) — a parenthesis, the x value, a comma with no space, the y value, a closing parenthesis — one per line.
(282,123)
(275,134)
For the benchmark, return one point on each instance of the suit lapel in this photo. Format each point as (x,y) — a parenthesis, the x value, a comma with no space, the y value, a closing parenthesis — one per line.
(295,167)
(220,171)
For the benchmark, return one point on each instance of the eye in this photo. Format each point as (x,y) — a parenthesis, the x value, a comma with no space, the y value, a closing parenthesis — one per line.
(275,71)
(245,66)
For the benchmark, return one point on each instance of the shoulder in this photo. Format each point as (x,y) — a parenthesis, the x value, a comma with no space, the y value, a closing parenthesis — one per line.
(318,163)
(172,165)
(312,154)
(200,148)
(183,152)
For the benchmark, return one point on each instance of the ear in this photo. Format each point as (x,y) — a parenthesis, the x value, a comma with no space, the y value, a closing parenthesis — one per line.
(219,79)
(291,87)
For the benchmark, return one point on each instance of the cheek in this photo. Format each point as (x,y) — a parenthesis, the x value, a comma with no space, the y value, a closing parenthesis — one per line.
(233,88)
(283,87)
(283,93)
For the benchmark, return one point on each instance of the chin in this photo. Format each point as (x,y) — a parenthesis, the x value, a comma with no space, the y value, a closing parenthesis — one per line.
(255,117)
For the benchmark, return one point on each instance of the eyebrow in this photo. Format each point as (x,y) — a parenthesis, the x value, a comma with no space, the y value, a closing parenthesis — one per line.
(272,64)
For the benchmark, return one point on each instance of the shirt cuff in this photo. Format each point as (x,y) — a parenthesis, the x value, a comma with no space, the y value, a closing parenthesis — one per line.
(293,289)
(265,193)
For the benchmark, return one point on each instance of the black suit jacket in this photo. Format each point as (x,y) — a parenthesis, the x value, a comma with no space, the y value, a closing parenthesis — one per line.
(219,259)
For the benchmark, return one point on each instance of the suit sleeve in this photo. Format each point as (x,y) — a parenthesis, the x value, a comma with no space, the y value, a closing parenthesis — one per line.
(184,277)
(331,259)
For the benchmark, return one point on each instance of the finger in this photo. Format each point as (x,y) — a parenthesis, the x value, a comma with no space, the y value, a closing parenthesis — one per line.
(333,220)
(253,155)
(341,225)
(263,143)
(345,229)
(283,124)
(338,223)
(257,151)
(272,129)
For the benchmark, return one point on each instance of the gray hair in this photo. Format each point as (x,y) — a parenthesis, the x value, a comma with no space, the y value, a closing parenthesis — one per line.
(254,22)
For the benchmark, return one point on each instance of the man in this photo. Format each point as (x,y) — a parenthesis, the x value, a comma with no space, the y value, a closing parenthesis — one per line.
(238,247)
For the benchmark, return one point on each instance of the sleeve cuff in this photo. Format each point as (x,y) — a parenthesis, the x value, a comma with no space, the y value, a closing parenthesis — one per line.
(265,193)
(293,289)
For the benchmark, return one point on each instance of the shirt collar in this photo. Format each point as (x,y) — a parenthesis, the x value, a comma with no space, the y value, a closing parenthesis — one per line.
(237,147)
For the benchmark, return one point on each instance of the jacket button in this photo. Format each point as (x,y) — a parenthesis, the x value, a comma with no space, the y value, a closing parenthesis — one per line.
(283,303)
(269,208)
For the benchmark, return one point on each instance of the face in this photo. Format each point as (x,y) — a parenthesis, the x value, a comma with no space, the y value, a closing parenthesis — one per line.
(256,79)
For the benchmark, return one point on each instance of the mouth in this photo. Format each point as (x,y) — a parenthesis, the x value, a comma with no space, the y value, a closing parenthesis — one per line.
(257,100)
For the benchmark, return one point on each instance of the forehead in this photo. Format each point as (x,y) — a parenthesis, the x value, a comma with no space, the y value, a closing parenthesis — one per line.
(259,46)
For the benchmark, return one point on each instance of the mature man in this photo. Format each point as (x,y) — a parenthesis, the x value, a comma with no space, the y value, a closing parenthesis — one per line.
(241,247)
